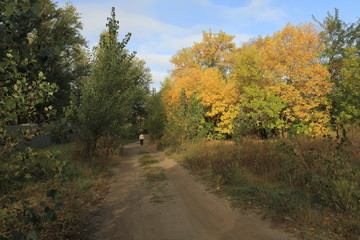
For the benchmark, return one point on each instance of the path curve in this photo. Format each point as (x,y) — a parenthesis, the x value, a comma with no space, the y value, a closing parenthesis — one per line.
(186,210)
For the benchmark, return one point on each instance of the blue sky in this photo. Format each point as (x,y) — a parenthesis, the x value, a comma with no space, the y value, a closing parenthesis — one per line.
(162,27)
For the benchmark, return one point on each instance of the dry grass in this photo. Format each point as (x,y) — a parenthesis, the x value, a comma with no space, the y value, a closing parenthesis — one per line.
(308,183)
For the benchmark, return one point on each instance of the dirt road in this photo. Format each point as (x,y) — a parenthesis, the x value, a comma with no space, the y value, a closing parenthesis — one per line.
(179,208)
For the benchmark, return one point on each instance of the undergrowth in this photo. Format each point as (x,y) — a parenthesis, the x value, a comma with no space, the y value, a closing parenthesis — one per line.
(311,185)
(47,194)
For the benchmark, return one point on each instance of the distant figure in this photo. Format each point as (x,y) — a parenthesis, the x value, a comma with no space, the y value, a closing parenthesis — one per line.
(141,138)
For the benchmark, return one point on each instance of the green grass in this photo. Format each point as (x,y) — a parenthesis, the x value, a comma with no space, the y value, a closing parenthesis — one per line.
(147,160)
(155,174)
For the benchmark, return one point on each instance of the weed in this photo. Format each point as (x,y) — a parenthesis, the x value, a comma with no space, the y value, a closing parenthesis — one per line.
(147,160)
(155,174)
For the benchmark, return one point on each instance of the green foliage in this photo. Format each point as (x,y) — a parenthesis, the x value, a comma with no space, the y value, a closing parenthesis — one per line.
(348,95)
(39,41)
(24,220)
(186,121)
(112,98)
(341,56)
(54,192)
(155,119)
(259,114)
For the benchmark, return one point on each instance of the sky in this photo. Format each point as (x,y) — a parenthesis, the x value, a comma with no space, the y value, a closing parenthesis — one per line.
(160,28)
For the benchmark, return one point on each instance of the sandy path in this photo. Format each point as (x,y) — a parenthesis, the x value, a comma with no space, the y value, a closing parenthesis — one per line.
(179,208)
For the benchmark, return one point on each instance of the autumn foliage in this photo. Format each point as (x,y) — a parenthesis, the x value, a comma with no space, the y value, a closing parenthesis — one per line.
(270,86)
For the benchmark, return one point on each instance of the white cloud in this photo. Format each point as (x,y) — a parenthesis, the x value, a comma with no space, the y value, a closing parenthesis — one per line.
(144,26)
(181,42)
(158,78)
(157,61)
(242,38)
(261,10)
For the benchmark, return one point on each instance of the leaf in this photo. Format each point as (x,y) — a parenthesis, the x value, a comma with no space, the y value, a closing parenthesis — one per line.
(12,116)
(10,103)
(41,75)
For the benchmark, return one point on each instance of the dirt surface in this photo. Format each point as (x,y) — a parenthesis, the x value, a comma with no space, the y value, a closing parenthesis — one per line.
(179,208)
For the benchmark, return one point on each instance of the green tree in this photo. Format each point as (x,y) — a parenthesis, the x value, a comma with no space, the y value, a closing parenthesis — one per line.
(260,112)
(22,90)
(215,51)
(141,78)
(342,49)
(155,119)
(42,38)
(112,98)
(185,121)
(348,95)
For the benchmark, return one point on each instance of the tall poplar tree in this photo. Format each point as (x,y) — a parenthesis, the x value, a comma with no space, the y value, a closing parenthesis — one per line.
(110,96)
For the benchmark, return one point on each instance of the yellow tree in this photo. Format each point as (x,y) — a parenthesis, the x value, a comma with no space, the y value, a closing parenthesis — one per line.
(218,97)
(202,71)
(291,58)
(214,51)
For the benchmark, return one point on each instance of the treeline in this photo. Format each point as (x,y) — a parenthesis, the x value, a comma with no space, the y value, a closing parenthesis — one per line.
(303,79)
(52,84)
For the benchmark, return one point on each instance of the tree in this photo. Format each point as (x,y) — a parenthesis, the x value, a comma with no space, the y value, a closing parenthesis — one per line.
(260,107)
(348,94)
(141,77)
(43,38)
(203,71)
(214,51)
(112,98)
(337,36)
(155,117)
(22,90)
(292,60)
(342,49)
(185,119)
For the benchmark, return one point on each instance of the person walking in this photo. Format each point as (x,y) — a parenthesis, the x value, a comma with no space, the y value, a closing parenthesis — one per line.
(141,138)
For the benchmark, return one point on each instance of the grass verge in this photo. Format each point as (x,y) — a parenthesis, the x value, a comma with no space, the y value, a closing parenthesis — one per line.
(310,185)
